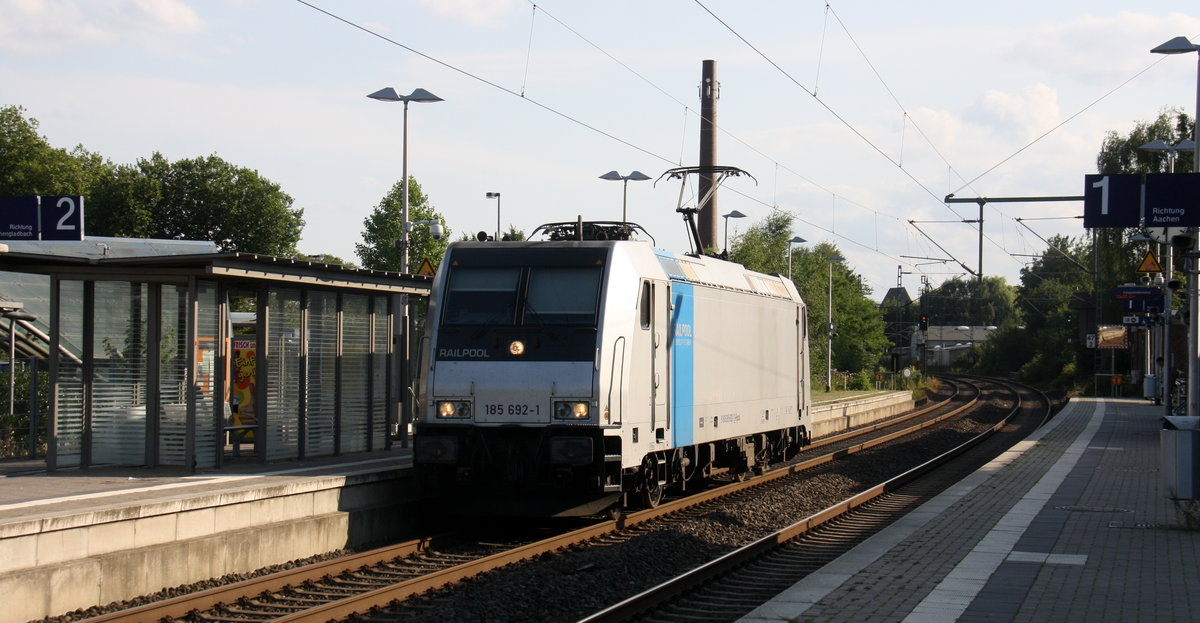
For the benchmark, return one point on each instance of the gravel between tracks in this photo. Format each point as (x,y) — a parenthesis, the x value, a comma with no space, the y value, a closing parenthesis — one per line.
(571,584)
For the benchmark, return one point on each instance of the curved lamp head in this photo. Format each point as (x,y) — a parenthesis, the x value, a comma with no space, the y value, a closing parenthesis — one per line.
(388,94)
(636,176)
(1178,45)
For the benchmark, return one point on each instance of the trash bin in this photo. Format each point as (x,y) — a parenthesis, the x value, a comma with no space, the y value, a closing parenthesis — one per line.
(1149,386)
(1180,437)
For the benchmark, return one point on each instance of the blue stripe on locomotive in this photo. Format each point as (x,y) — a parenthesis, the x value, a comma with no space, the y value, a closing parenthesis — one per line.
(682,345)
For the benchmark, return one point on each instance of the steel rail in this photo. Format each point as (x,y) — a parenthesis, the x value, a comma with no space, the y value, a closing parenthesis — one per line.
(658,595)
(359,604)
(181,606)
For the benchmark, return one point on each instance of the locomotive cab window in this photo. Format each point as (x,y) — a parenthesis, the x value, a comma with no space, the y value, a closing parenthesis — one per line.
(562,296)
(482,296)
(645,304)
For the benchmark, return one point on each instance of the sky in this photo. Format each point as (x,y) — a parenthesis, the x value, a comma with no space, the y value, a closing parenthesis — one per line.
(854,117)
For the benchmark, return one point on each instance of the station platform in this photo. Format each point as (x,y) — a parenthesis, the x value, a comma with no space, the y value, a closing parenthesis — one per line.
(1072,524)
(74,538)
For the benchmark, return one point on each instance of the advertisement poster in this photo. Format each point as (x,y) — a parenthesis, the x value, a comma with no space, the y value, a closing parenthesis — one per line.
(241,400)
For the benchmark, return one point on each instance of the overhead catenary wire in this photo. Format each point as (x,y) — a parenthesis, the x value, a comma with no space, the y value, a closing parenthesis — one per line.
(483,80)
(612,136)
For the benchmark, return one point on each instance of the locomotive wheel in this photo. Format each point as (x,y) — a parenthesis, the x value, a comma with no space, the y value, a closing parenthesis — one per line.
(652,494)
(651,489)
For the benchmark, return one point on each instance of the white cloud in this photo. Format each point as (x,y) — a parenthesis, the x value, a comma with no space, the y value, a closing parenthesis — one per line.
(1027,115)
(1093,48)
(54,26)
(40,26)
(473,12)
(160,15)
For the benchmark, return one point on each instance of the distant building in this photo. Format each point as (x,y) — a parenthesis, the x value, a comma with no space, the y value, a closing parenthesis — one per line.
(945,345)
(896,297)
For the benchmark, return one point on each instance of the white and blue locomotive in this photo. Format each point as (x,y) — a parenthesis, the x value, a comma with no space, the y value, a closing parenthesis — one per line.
(571,375)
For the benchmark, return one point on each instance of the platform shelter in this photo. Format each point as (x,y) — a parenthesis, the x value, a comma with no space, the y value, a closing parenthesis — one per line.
(142,362)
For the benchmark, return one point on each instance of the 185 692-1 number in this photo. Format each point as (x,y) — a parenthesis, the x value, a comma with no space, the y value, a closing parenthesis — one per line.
(511,409)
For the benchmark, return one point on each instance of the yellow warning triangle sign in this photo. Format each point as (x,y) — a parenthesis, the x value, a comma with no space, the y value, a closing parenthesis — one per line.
(427,268)
(1149,264)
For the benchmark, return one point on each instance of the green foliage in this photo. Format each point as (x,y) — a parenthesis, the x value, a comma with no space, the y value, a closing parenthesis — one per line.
(14,429)
(513,234)
(1122,154)
(863,381)
(196,199)
(203,198)
(385,225)
(30,166)
(1006,350)
(325,258)
(764,246)
(968,302)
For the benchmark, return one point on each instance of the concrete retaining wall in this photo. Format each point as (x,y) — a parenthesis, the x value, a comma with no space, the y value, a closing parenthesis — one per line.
(834,417)
(63,562)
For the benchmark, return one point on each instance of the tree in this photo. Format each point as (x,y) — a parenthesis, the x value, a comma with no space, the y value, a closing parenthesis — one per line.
(210,199)
(122,202)
(203,198)
(30,166)
(385,225)
(1123,154)
(198,199)
(325,258)
(764,246)
(513,234)
(961,301)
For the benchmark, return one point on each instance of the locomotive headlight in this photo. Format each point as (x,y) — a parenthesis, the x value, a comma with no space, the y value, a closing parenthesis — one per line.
(570,410)
(460,409)
(516,348)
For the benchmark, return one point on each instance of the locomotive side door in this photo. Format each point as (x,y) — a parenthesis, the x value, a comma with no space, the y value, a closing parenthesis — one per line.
(660,320)
(650,371)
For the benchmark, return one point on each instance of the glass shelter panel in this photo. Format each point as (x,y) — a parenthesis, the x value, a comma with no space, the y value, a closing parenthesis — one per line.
(208,350)
(321,386)
(379,371)
(356,347)
(69,389)
(283,375)
(119,373)
(172,376)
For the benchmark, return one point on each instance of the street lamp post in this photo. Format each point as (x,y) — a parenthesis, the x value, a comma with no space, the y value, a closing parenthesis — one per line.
(1181,45)
(733,214)
(496,196)
(829,346)
(388,94)
(794,240)
(636,176)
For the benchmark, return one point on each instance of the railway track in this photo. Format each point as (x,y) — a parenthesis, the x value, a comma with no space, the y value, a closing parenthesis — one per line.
(731,586)
(375,581)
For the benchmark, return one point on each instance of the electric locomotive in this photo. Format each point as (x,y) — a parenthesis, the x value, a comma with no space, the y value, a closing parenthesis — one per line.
(587,371)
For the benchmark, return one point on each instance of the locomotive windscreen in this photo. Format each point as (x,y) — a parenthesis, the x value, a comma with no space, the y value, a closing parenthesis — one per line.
(562,295)
(550,295)
(482,296)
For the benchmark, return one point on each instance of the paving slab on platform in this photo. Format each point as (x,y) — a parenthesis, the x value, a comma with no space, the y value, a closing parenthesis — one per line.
(1072,524)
